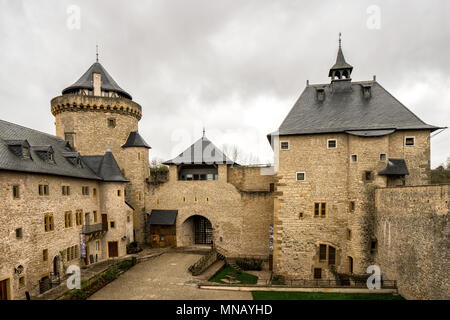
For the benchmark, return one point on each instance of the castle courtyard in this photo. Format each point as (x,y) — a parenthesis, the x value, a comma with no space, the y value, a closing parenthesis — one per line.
(164,278)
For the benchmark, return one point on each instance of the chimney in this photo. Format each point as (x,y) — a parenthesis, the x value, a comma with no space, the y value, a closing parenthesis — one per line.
(97,83)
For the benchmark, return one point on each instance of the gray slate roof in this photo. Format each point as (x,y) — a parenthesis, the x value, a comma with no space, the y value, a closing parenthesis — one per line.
(203,151)
(105,167)
(349,110)
(39,142)
(135,140)
(163,217)
(86,81)
(395,167)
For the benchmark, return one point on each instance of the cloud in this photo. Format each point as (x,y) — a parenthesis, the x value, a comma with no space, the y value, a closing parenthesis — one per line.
(235,67)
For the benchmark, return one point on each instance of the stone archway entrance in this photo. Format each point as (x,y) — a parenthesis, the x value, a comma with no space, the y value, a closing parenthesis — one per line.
(197,230)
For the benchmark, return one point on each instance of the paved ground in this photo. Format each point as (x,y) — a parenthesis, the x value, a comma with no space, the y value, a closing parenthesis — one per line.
(162,278)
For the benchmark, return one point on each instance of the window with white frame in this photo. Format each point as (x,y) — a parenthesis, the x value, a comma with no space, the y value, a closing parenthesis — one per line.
(284,145)
(331,143)
(300,176)
(410,141)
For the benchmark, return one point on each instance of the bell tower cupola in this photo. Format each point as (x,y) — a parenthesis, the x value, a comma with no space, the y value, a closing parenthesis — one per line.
(341,70)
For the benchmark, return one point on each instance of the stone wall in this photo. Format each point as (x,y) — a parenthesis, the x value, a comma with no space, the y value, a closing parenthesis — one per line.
(28,213)
(413,236)
(240,219)
(250,178)
(333,178)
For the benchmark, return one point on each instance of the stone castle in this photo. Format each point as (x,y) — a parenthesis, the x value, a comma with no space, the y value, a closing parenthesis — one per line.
(350,187)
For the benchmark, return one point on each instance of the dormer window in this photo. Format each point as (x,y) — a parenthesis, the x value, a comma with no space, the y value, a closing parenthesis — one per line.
(367,92)
(320,92)
(26,152)
(73,157)
(46,153)
(20,148)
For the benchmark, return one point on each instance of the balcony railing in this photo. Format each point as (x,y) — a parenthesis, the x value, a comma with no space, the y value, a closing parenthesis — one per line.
(93,228)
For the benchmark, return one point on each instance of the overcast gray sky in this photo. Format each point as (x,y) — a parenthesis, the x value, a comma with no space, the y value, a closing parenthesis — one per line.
(233,66)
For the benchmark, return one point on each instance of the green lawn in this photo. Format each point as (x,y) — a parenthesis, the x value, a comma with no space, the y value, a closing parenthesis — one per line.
(241,276)
(276,295)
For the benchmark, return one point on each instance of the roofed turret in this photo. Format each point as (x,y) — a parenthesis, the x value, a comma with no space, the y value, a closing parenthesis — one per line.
(98,82)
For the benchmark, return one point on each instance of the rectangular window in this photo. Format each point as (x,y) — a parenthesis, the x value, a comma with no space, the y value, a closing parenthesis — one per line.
(94,192)
(284,145)
(112,224)
(139,195)
(118,193)
(316,209)
(49,224)
(373,246)
(79,217)
(409,141)
(44,255)
(349,234)
(382,156)
(367,175)
(16,192)
(331,255)
(331,143)
(139,155)
(351,206)
(323,252)
(19,233)
(68,219)
(95,216)
(323,209)
(112,123)
(301,176)
(317,273)
(44,190)
(65,190)
(85,191)
(354,158)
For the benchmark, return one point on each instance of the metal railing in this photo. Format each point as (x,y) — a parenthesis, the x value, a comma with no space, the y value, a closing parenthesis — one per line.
(359,284)
(93,228)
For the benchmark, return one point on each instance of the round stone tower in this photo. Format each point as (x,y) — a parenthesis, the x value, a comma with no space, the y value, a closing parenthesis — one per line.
(95,114)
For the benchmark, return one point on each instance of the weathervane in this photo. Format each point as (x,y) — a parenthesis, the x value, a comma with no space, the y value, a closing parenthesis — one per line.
(96,49)
(203,132)
(340,34)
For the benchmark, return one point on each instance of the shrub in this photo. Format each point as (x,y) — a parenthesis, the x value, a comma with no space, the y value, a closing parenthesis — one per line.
(249,264)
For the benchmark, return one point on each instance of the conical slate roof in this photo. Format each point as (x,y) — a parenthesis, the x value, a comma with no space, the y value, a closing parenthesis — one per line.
(105,167)
(203,151)
(135,140)
(86,81)
(340,64)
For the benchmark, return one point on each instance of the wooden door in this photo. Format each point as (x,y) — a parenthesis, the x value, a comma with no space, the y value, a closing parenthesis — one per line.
(155,240)
(4,290)
(113,250)
(105,221)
